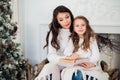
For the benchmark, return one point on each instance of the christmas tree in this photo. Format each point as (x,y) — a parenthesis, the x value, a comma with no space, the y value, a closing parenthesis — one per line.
(12,63)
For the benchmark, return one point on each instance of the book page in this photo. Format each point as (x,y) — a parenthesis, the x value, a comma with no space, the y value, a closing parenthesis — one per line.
(66,62)
(70,62)
(79,61)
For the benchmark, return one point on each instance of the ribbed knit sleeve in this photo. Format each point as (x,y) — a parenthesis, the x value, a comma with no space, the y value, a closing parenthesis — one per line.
(52,53)
(95,56)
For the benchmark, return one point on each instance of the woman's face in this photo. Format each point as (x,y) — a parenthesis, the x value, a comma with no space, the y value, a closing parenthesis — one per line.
(64,19)
(80,27)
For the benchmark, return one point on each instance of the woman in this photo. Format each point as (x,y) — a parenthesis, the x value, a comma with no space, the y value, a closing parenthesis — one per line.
(57,39)
(83,48)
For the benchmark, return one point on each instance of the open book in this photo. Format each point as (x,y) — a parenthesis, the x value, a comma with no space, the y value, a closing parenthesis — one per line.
(71,62)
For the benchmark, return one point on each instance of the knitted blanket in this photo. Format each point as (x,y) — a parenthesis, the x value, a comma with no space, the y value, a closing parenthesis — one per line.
(95,72)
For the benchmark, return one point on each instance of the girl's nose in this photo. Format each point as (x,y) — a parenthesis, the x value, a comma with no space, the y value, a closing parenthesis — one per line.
(80,27)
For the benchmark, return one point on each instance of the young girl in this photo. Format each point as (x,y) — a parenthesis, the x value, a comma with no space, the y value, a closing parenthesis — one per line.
(83,45)
(57,39)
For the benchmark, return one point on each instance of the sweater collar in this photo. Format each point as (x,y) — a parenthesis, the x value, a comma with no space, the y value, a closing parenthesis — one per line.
(64,30)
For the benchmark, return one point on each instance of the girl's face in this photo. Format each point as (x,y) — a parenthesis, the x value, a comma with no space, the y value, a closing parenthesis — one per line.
(64,19)
(80,27)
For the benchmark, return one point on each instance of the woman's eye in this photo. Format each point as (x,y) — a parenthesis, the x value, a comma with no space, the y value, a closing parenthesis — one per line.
(67,17)
(60,20)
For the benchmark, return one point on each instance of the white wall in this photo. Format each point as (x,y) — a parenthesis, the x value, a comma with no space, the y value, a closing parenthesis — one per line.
(35,15)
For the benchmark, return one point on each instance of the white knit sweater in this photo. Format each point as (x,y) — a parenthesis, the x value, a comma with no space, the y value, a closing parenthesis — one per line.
(63,38)
(92,53)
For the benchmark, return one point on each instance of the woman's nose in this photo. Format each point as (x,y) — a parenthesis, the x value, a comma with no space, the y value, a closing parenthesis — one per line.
(65,21)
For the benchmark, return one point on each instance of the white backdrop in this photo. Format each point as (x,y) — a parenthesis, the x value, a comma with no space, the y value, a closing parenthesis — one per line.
(35,15)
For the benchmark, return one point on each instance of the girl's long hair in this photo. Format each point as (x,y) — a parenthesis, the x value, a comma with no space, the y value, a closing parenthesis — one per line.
(55,26)
(87,36)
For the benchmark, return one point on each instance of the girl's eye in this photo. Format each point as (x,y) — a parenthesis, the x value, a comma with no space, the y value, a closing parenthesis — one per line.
(76,25)
(83,25)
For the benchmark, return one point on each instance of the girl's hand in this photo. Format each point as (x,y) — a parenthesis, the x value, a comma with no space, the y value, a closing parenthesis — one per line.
(87,65)
(73,56)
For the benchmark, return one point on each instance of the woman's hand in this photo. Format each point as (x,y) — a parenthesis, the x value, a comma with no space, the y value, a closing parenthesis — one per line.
(87,65)
(73,56)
